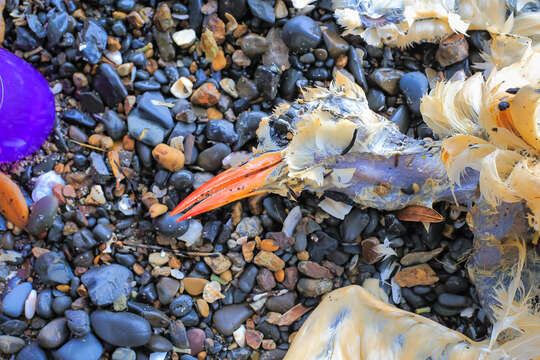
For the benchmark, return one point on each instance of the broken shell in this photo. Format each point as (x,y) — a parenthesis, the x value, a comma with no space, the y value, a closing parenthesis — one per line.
(182,88)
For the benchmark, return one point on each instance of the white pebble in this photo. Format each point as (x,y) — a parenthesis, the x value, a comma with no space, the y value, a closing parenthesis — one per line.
(30,305)
(240,336)
(292,220)
(193,234)
(184,38)
(158,356)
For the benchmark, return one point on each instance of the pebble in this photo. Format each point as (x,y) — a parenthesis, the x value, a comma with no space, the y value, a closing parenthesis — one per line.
(263,10)
(159,343)
(278,52)
(353,225)
(52,268)
(167,289)
(387,79)
(401,118)
(253,45)
(13,327)
(196,339)
(57,25)
(78,322)
(452,49)
(114,126)
(227,319)
(267,79)
(32,351)
(206,95)
(181,305)
(269,260)
(456,284)
(42,215)
(314,270)
(178,334)
(44,304)
(106,283)
(192,237)
(121,329)
(85,348)
(281,303)
(249,227)
(194,286)
(170,158)
(247,279)
(416,275)
(124,354)
(109,85)
(184,38)
(181,180)
(221,131)
(219,264)
(335,44)
(13,301)
(168,226)
(301,33)
(54,334)
(453,300)
(314,287)
(289,83)
(414,85)
(376,100)
(10,344)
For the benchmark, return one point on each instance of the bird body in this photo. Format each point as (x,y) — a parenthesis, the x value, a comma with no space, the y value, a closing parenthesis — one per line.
(329,142)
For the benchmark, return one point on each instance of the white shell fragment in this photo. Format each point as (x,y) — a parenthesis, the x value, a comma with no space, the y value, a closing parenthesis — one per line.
(182,88)
(335,208)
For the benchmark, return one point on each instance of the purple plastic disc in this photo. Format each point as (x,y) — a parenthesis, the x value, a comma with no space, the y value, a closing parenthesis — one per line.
(27,108)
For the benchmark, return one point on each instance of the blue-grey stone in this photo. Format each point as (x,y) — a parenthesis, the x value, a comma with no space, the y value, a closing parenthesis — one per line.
(13,302)
(106,283)
(121,329)
(31,351)
(85,348)
(52,268)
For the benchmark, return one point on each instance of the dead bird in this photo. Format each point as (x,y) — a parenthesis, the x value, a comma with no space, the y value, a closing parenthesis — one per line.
(338,145)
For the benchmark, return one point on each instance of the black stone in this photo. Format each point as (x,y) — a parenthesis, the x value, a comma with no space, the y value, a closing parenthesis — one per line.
(109,85)
(301,33)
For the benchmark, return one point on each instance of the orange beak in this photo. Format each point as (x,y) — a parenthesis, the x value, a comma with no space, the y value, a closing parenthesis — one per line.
(231,185)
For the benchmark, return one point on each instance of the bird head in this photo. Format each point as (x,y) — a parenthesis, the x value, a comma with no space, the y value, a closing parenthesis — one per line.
(300,146)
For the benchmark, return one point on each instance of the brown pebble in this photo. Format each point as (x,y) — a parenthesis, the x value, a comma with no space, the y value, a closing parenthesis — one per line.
(194,286)
(254,338)
(128,143)
(269,260)
(170,158)
(303,255)
(203,307)
(157,210)
(416,275)
(219,264)
(206,95)
(314,270)
(163,18)
(217,26)
(291,277)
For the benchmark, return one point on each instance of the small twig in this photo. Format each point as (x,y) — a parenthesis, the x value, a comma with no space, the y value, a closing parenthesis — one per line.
(86,145)
(176,252)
